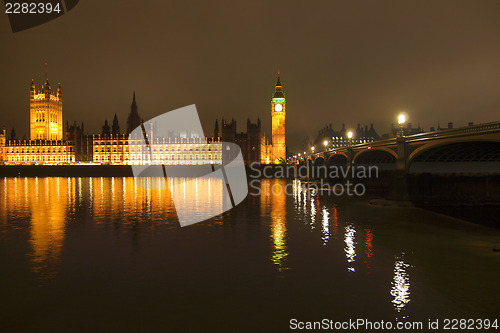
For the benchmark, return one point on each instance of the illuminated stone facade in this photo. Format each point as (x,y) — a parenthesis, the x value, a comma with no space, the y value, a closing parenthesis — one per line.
(46,118)
(46,144)
(2,146)
(179,151)
(111,147)
(276,151)
(38,152)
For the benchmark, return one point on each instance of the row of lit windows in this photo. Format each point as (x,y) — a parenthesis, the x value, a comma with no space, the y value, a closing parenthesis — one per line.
(106,150)
(176,162)
(41,97)
(45,158)
(185,149)
(106,159)
(107,142)
(40,117)
(37,151)
(164,146)
(175,157)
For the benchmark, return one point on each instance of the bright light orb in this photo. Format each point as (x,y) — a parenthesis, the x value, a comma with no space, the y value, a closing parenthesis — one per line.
(325,143)
(401,119)
(349,135)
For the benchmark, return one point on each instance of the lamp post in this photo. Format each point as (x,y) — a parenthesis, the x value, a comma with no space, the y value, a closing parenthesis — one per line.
(349,136)
(401,122)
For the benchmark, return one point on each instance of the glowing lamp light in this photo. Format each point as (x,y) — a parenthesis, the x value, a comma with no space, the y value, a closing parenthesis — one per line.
(349,135)
(312,149)
(325,143)
(401,119)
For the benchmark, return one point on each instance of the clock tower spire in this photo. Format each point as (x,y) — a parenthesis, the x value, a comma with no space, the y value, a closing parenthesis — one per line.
(278,115)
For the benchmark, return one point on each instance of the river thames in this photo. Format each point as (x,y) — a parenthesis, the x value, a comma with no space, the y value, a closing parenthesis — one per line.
(103,254)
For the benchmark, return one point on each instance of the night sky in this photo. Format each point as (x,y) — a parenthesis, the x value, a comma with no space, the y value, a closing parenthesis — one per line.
(340,61)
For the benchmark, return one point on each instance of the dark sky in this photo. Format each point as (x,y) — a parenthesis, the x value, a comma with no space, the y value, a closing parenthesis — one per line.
(340,61)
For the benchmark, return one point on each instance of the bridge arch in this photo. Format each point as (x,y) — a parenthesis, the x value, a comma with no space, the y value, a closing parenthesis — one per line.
(336,159)
(433,144)
(375,156)
(318,161)
(472,156)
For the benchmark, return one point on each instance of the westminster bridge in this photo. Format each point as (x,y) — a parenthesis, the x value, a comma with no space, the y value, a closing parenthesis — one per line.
(470,149)
(455,166)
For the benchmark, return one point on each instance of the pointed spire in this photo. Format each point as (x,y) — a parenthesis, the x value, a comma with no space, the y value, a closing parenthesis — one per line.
(133,108)
(278,81)
(46,85)
(278,88)
(115,129)
(216,129)
(133,119)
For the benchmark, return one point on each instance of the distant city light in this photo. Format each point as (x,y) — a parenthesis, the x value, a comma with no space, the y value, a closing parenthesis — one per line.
(325,143)
(349,134)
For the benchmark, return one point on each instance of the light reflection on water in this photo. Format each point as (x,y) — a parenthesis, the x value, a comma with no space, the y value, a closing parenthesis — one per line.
(313,214)
(273,197)
(368,248)
(350,246)
(122,200)
(325,225)
(307,238)
(401,284)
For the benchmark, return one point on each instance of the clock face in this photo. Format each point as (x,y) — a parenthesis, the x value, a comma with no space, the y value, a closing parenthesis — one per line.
(278,107)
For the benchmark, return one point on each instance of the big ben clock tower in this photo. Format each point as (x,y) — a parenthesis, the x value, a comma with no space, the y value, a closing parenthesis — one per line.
(278,115)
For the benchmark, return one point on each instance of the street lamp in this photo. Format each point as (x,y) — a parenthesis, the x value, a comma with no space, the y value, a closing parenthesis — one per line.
(401,121)
(312,149)
(349,136)
(326,144)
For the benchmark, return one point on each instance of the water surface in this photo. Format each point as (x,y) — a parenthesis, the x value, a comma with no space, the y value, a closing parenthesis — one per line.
(103,254)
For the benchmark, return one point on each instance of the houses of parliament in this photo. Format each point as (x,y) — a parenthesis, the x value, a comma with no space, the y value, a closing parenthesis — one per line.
(53,143)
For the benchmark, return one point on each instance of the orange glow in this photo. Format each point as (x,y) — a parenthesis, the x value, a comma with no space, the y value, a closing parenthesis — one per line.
(335,221)
(368,247)
(273,204)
